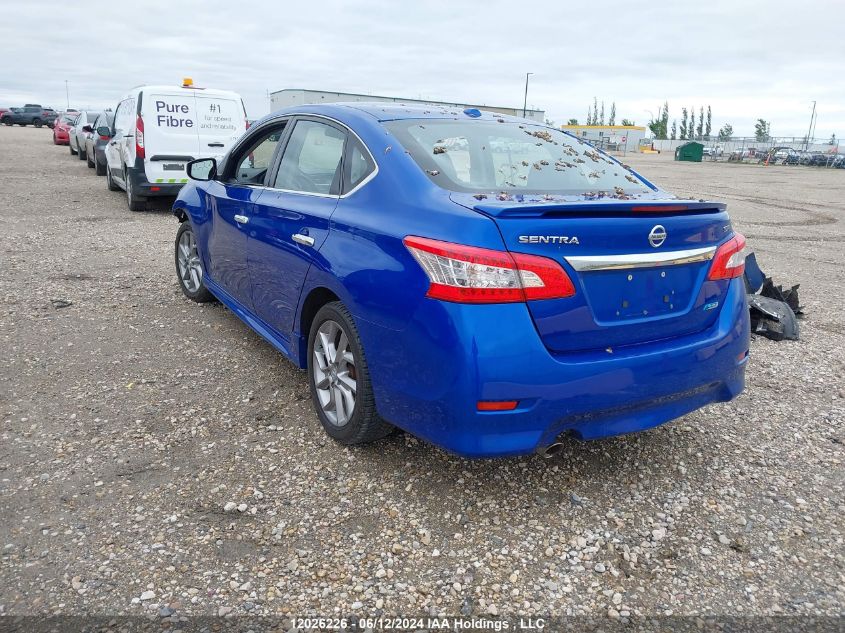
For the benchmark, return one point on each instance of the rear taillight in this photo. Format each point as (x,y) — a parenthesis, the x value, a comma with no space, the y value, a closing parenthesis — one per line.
(729,260)
(139,137)
(468,274)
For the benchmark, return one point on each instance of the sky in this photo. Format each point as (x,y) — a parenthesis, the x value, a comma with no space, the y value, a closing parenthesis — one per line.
(746,59)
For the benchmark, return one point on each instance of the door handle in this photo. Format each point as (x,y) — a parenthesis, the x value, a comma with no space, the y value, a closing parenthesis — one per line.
(215,145)
(303,239)
(241,219)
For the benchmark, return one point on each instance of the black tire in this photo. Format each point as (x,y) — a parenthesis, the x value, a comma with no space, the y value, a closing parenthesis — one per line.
(364,425)
(70,145)
(201,294)
(88,159)
(99,167)
(37,122)
(81,150)
(7,121)
(135,202)
(110,183)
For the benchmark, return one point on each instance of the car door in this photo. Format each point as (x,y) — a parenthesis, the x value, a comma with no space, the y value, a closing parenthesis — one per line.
(290,220)
(232,200)
(114,149)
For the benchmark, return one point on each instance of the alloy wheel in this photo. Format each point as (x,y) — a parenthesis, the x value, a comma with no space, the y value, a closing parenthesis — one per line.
(190,268)
(334,373)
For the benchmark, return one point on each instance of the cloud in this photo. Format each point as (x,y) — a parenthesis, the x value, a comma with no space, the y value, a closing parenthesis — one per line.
(747,61)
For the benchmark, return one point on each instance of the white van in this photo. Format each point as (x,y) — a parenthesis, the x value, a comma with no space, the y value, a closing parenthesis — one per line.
(158,129)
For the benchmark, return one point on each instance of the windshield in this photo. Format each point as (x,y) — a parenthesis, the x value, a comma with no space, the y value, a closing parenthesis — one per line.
(471,156)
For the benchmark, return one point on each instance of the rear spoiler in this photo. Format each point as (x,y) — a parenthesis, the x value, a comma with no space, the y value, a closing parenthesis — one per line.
(533,206)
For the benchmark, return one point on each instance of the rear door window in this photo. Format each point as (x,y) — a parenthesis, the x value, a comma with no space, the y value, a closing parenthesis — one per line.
(311,162)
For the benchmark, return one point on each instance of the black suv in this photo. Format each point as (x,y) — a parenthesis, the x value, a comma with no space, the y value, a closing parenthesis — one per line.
(30,114)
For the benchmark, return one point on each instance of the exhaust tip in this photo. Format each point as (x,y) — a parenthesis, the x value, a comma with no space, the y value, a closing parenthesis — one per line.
(547,452)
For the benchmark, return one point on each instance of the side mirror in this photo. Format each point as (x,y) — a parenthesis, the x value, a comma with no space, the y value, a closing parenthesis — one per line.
(87,128)
(104,130)
(202,169)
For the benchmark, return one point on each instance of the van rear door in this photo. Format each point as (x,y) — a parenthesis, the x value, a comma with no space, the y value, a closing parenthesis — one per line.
(220,122)
(170,135)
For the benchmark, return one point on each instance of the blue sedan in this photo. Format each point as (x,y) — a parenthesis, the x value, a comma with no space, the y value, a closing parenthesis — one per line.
(483,282)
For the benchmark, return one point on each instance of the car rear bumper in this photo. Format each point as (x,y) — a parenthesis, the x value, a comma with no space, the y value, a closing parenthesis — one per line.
(160,187)
(429,377)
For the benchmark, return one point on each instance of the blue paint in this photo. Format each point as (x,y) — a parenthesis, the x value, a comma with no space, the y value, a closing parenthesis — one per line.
(617,357)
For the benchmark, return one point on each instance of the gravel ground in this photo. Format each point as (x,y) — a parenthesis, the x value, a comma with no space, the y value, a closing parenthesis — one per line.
(157,456)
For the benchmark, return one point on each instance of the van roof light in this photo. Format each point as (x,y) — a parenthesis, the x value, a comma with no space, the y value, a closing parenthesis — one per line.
(187,82)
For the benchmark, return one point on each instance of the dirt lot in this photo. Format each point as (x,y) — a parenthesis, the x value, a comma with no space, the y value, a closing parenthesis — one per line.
(132,417)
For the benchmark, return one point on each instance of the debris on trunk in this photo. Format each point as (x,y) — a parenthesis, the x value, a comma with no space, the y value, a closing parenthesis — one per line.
(773,309)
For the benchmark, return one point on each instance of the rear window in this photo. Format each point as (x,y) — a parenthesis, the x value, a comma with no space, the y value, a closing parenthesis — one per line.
(216,116)
(171,114)
(470,156)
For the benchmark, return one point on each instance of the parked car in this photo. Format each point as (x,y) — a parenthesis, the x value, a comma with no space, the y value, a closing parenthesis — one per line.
(487,310)
(159,129)
(741,154)
(714,151)
(97,136)
(816,159)
(77,133)
(30,114)
(62,127)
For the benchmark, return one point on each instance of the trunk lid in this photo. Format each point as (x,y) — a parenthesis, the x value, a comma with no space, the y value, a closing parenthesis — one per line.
(639,266)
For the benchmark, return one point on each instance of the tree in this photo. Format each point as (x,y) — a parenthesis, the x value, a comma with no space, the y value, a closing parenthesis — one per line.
(654,126)
(664,121)
(691,129)
(589,116)
(708,127)
(726,132)
(595,111)
(601,116)
(572,122)
(674,129)
(684,127)
(627,122)
(762,129)
(612,119)
(700,130)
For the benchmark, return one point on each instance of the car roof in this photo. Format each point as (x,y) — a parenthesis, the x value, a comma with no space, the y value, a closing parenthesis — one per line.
(388,111)
(179,90)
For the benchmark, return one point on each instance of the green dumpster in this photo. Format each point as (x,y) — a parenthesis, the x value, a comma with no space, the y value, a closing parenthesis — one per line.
(691,152)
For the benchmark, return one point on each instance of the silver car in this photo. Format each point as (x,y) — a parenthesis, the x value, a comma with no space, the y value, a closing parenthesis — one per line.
(76,135)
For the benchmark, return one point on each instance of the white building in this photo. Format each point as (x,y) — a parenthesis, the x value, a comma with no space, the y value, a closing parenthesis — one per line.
(298,96)
(621,138)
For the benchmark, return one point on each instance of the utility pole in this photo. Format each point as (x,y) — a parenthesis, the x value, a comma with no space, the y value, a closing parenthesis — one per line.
(525,103)
(67,95)
(807,148)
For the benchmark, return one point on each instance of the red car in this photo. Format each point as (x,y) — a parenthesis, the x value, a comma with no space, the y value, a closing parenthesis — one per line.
(62,128)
